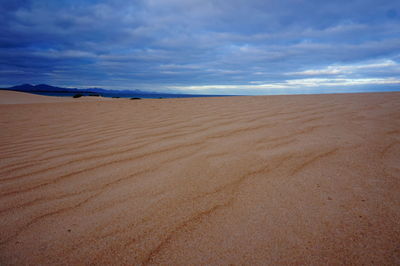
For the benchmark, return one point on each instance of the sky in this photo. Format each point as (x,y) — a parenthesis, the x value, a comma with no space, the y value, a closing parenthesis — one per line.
(202,46)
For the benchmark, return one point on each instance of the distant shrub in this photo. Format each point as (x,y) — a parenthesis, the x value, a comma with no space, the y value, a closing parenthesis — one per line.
(116,97)
(135,98)
(77,95)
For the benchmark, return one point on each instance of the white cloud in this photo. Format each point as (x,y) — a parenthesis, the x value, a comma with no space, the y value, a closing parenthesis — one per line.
(295,84)
(346,69)
(316,82)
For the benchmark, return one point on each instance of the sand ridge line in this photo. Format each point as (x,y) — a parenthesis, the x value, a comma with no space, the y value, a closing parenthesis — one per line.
(147,136)
(194,219)
(112,162)
(313,159)
(295,171)
(36,219)
(124,129)
(234,186)
(119,152)
(297,133)
(388,147)
(115,181)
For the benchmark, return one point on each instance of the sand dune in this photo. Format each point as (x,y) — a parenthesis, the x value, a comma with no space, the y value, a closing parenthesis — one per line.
(243,180)
(14,97)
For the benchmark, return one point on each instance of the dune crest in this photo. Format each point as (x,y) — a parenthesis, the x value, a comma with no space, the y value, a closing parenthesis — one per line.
(15,97)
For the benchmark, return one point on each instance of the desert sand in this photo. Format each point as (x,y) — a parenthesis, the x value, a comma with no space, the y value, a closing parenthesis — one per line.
(14,97)
(312,179)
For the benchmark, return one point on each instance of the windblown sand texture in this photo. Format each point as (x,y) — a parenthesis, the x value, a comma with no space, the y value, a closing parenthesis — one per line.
(14,97)
(239,180)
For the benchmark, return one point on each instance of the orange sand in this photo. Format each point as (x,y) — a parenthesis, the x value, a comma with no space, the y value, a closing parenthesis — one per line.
(14,97)
(243,180)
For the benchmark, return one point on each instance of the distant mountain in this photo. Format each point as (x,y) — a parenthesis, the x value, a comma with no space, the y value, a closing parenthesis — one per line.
(43,88)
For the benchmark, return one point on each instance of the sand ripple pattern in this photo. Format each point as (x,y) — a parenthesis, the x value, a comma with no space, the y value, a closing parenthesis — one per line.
(242,180)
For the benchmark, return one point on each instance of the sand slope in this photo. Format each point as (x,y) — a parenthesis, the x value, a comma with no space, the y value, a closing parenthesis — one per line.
(15,97)
(243,180)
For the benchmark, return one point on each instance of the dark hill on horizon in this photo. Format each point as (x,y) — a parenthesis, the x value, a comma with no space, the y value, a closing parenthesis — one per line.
(44,89)
(49,88)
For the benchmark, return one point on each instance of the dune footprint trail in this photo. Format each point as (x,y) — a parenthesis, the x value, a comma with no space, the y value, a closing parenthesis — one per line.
(240,180)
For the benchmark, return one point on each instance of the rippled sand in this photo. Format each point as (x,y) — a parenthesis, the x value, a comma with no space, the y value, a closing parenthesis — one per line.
(14,97)
(241,180)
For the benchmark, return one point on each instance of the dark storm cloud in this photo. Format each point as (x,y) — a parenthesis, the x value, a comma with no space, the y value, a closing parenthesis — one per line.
(200,46)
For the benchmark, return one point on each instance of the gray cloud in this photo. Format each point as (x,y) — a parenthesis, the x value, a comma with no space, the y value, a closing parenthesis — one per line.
(167,45)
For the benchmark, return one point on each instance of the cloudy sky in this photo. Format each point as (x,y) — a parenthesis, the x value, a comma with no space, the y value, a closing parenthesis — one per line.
(202,46)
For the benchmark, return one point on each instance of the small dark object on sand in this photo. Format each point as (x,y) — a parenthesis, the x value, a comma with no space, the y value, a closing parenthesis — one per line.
(135,98)
(77,95)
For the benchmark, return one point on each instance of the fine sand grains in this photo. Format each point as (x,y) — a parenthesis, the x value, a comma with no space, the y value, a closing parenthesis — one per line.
(309,179)
(14,97)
